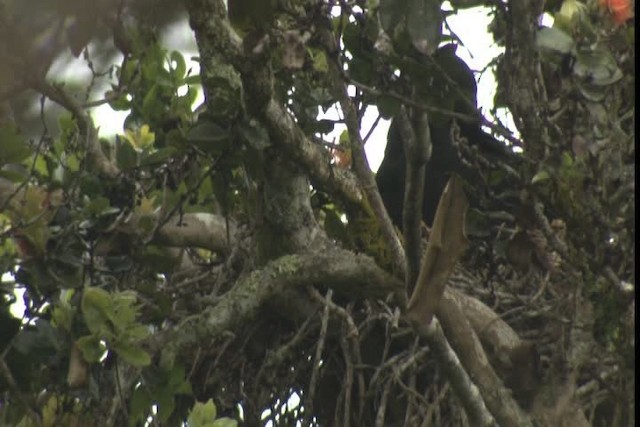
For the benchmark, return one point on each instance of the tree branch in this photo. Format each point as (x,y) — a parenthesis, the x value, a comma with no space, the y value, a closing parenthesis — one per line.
(468,348)
(85,124)
(356,276)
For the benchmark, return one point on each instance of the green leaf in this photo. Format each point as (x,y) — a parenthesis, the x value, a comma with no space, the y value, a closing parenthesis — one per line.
(62,315)
(91,347)
(185,101)
(361,70)
(140,404)
(209,136)
(202,414)
(96,304)
(178,64)
(126,155)
(541,176)
(388,106)
(136,332)
(597,67)
(319,60)
(120,103)
(13,146)
(225,422)
(123,310)
(98,206)
(176,375)
(554,40)
(129,71)
(132,354)
(157,156)
(192,80)
(152,103)
(166,403)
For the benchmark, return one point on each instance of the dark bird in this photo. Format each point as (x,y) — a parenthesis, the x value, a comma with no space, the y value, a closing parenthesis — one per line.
(445,158)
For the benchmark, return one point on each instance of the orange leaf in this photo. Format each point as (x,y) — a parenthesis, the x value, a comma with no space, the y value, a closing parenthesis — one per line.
(620,10)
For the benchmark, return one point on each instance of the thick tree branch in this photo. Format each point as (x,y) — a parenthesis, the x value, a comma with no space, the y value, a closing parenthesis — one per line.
(468,348)
(524,85)
(356,276)
(314,158)
(199,230)
(462,385)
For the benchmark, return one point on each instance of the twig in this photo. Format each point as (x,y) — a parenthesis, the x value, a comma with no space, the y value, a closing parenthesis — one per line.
(347,385)
(383,404)
(500,130)
(87,128)
(318,355)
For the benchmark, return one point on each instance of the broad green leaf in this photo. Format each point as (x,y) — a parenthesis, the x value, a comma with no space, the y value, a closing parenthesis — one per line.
(225,422)
(554,40)
(157,156)
(388,106)
(118,103)
(91,347)
(13,146)
(129,71)
(192,80)
(62,316)
(123,310)
(72,162)
(142,138)
(32,209)
(178,65)
(152,104)
(166,403)
(209,136)
(186,101)
(97,206)
(202,414)
(132,354)
(319,60)
(361,70)
(140,404)
(18,174)
(126,155)
(136,332)
(96,307)
(597,67)
(176,375)
(541,176)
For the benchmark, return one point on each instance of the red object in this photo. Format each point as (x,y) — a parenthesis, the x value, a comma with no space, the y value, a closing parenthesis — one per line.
(621,10)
